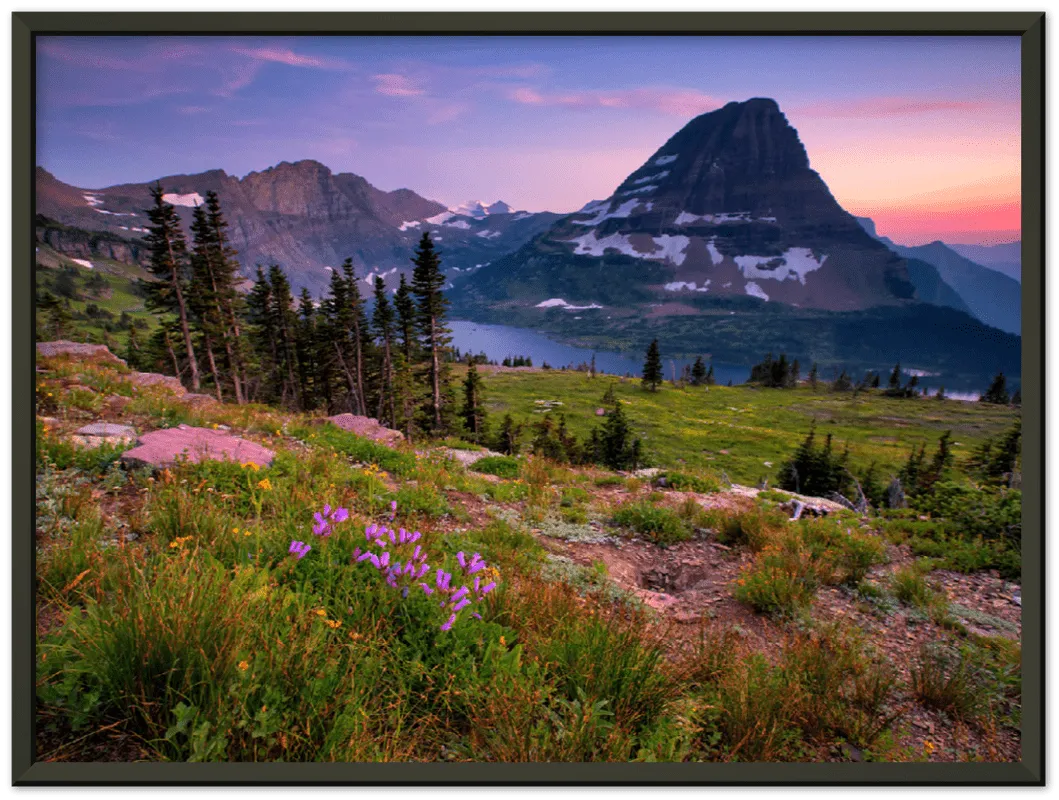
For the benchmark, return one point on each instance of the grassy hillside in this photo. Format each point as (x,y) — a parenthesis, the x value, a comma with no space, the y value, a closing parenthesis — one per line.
(747,431)
(623,623)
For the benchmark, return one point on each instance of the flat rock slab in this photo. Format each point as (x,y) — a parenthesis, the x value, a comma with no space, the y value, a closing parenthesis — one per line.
(100,433)
(368,427)
(77,350)
(156,379)
(165,447)
(467,457)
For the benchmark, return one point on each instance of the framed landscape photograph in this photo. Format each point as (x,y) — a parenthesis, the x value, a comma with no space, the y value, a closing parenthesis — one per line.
(517,398)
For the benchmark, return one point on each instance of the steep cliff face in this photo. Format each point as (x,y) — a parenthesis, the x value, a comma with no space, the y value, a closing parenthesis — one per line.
(728,206)
(77,243)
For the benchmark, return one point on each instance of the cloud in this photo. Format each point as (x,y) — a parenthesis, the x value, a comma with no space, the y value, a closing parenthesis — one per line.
(880,107)
(674,101)
(395,85)
(290,58)
(447,113)
(192,110)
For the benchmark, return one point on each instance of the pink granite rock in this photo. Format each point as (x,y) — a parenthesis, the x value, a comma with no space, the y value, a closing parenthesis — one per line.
(164,447)
(368,427)
(79,351)
(197,399)
(156,379)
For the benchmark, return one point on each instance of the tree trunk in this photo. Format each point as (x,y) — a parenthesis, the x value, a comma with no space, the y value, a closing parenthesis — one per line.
(213,368)
(361,399)
(183,319)
(172,355)
(435,372)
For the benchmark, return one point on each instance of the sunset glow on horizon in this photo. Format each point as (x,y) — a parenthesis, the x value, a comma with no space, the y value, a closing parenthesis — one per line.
(920,134)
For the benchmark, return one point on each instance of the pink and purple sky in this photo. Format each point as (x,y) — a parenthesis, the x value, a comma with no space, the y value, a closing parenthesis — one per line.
(922,134)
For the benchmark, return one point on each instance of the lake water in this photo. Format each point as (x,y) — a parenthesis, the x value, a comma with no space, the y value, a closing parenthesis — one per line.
(500,341)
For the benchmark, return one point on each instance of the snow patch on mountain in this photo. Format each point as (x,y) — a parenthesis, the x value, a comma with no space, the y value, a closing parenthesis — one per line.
(476,209)
(600,210)
(715,255)
(189,200)
(83,263)
(647,178)
(462,224)
(666,247)
(686,218)
(641,190)
(754,290)
(661,161)
(488,234)
(794,264)
(92,200)
(438,219)
(521,215)
(406,225)
(691,286)
(558,302)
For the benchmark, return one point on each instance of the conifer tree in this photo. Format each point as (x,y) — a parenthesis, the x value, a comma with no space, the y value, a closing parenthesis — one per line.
(473,411)
(698,372)
(652,368)
(284,324)
(997,393)
(895,378)
(305,349)
(508,439)
(262,336)
(431,305)
(814,376)
(356,322)
(710,379)
(169,264)
(382,321)
(405,307)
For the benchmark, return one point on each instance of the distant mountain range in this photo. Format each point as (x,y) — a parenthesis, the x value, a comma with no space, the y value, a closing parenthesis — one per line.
(1005,258)
(723,241)
(990,295)
(306,219)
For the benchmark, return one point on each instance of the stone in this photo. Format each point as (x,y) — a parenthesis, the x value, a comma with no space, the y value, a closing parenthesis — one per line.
(117,402)
(197,399)
(100,433)
(165,447)
(466,457)
(144,379)
(601,412)
(79,351)
(367,427)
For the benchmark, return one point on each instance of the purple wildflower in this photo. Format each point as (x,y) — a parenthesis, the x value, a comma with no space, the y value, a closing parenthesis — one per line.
(356,552)
(489,587)
(462,604)
(448,625)
(476,614)
(475,567)
(404,592)
(375,560)
(340,515)
(299,549)
(426,589)
(462,559)
(463,590)
(393,506)
(366,555)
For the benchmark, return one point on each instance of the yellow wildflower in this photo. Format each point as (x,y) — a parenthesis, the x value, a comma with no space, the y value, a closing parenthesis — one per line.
(503,642)
(333,623)
(235,530)
(928,748)
(250,465)
(265,484)
(247,533)
(277,432)
(244,666)
(321,612)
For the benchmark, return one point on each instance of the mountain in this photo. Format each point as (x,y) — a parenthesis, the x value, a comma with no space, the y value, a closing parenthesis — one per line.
(305,218)
(726,231)
(728,206)
(992,297)
(1005,258)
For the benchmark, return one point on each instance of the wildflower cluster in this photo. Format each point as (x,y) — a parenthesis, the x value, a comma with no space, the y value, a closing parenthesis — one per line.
(326,520)
(396,545)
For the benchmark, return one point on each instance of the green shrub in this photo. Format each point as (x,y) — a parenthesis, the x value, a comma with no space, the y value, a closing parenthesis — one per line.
(683,482)
(947,680)
(657,523)
(501,466)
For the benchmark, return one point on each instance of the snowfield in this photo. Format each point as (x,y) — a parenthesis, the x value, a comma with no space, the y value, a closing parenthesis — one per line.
(187,200)
(667,248)
(754,290)
(799,262)
(691,286)
(83,263)
(406,225)
(648,178)
(661,161)
(600,210)
(558,302)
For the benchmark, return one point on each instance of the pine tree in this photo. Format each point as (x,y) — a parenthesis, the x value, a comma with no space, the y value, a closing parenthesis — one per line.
(305,349)
(592,367)
(508,439)
(262,337)
(710,379)
(284,324)
(405,307)
(169,263)
(203,300)
(545,443)
(814,376)
(895,378)
(431,305)
(473,411)
(698,372)
(382,321)
(652,368)
(997,393)
(612,443)
(940,394)
(356,321)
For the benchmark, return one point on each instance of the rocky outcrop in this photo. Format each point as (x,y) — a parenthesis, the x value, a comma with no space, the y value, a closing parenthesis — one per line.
(100,433)
(166,447)
(157,379)
(78,351)
(367,427)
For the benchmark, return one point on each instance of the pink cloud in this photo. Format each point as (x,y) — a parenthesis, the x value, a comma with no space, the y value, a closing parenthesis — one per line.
(677,102)
(447,113)
(395,85)
(893,107)
(289,57)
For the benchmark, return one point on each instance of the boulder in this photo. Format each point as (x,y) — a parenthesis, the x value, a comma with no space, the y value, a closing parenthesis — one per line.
(466,457)
(78,350)
(165,447)
(367,427)
(197,399)
(156,379)
(101,433)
